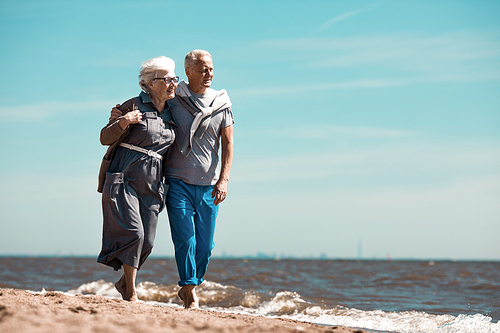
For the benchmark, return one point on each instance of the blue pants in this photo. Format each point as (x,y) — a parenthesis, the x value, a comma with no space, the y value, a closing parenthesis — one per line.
(192,214)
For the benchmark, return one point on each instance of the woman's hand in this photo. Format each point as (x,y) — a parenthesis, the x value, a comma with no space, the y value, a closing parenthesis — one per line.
(132,117)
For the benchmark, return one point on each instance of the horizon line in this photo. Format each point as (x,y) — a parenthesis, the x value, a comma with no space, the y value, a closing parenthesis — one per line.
(262,257)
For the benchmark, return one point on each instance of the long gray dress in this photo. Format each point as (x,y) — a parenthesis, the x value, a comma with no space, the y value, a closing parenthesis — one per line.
(134,193)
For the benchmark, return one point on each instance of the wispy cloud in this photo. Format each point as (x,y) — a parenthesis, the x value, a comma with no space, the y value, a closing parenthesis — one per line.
(347,15)
(410,52)
(319,87)
(326,132)
(381,61)
(400,163)
(402,51)
(46,109)
(335,131)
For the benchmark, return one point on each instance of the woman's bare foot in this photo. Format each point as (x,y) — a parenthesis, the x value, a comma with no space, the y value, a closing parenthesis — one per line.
(129,274)
(188,295)
(121,286)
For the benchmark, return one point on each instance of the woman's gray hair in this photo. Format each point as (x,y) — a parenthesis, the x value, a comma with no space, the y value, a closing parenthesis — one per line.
(151,66)
(194,55)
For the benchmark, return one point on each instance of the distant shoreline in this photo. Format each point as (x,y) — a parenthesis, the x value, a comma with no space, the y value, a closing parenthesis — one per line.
(261,258)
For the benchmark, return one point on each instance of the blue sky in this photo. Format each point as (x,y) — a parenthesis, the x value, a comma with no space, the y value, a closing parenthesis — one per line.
(372,124)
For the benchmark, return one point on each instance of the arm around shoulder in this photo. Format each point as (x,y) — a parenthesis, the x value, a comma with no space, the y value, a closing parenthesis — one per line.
(117,127)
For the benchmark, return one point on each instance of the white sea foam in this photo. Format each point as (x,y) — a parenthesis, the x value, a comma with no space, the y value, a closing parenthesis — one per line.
(403,322)
(291,305)
(99,287)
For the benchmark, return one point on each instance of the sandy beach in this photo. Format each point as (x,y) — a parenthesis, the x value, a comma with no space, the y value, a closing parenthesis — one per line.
(22,311)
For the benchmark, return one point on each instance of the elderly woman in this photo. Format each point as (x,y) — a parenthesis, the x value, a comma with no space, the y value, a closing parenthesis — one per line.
(130,179)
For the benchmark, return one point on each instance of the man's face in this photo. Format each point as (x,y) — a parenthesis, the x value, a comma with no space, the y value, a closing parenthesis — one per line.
(200,75)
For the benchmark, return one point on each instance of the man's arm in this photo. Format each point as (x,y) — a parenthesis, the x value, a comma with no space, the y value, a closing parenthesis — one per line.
(227,145)
(111,132)
(115,113)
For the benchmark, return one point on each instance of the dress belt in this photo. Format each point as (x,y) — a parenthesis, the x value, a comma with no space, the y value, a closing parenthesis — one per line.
(141,150)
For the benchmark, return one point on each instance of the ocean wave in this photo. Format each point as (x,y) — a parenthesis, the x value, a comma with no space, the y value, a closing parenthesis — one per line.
(288,304)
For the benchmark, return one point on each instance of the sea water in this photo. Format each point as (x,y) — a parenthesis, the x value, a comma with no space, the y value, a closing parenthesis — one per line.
(386,296)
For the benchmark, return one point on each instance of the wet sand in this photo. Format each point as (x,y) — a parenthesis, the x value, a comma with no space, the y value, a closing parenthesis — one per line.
(53,312)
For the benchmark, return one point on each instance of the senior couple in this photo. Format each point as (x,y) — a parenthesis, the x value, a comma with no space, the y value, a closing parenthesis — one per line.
(163,151)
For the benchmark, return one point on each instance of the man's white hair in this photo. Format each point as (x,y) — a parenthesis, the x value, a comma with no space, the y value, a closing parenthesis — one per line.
(151,66)
(194,55)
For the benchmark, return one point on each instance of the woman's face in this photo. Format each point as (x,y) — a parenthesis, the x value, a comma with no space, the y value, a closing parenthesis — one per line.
(158,88)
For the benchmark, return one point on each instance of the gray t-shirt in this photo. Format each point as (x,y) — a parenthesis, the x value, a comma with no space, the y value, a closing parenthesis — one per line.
(201,166)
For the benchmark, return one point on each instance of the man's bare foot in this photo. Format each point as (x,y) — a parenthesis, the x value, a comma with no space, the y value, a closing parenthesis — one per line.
(132,298)
(188,295)
(121,286)
(180,293)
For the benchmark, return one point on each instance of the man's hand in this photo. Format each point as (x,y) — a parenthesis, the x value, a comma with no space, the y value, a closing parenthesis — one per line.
(115,113)
(219,192)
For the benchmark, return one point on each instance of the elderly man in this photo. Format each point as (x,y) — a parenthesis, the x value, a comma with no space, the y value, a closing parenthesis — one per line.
(196,185)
